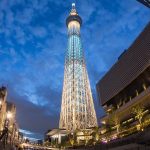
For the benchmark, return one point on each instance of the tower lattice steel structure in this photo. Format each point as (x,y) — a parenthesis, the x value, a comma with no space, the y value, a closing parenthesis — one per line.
(77,109)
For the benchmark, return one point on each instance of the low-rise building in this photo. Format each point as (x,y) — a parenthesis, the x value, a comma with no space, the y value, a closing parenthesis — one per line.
(11,114)
(3,95)
(56,135)
(8,125)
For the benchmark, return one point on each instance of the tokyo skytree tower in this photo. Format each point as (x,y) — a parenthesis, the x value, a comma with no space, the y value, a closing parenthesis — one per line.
(77,108)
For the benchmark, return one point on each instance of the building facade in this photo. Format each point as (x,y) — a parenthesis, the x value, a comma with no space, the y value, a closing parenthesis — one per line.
(56,136)
(145,2)
(3,95)
(127,84)
(77,108)
(11,117)
(8,126)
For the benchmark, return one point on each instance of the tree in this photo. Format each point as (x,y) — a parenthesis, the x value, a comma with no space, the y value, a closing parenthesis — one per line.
(138,111)
(71,140)
(73,137)
(95,134)
(114,120)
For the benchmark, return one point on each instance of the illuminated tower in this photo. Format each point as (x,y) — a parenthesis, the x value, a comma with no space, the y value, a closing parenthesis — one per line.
(77,109)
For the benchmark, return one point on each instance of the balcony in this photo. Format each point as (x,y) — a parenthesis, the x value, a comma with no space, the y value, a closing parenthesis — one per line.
(125,110)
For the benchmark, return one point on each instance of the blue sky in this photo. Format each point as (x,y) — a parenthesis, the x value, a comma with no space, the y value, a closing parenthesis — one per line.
(33,40)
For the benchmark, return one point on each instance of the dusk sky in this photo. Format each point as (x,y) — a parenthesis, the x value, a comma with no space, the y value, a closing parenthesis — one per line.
(33,41)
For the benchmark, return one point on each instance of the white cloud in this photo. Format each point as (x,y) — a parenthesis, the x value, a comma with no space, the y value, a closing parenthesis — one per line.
(87,8)
(39,31)
(24,16)
(26,132)
(29,135)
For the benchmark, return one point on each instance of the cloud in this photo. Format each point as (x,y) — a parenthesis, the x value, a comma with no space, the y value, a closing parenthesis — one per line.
(20,35)
(39,31)
(26,132)
(87,9)
(32,117)
(30,135)
(33,41)
(25,17)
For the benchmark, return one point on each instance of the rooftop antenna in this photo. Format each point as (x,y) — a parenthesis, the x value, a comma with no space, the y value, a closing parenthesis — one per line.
(73,10)
(73,5)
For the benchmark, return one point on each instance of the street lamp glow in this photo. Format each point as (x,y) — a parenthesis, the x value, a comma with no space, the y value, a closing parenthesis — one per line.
(9,115)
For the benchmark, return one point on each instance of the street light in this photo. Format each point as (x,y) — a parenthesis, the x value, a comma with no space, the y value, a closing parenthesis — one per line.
(9,115)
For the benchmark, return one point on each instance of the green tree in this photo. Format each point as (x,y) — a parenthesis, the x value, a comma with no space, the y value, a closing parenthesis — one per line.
(73,137)
(138,112)
(114,121)
(71,140)
(95,134)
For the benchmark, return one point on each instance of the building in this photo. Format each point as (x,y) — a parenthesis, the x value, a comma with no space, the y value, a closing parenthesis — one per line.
(11,120)
(77,108)
(84,135)
(8,127)
(7,110)
(11,113)
(56,136)
(3,95)
(20,137)
(127,84)
(11,108)
(46,136)
(39,142)
(145,2)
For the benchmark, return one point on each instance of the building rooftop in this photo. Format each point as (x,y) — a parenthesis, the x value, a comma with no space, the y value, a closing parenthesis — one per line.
(57,131)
